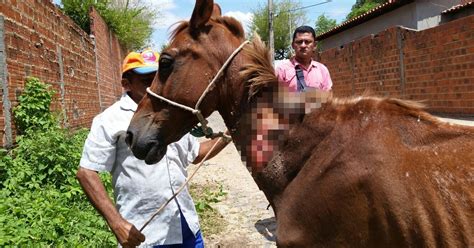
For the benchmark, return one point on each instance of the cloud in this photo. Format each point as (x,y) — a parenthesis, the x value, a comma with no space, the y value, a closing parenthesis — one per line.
(166,17)
(244,18)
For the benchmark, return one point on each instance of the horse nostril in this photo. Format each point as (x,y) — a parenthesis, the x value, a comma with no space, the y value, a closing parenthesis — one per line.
(129,138)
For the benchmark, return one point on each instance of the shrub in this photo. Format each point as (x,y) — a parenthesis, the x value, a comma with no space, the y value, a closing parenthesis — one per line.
(42,202)
(32,111)
(131,21)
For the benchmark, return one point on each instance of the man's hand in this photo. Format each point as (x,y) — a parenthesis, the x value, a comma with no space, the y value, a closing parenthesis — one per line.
(128,235)
(206,146)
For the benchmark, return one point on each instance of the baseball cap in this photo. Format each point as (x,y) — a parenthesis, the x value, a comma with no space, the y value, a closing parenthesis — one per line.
(141,63)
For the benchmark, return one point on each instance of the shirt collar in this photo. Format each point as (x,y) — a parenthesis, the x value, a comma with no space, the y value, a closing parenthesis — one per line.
(127,103)
(295,63)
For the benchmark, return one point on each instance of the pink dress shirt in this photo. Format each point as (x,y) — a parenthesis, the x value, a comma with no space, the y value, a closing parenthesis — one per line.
(316,76)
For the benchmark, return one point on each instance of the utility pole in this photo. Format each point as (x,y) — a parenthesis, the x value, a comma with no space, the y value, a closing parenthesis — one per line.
(270,28)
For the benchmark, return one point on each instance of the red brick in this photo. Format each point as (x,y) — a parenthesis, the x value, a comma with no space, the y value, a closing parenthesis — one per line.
(43,22)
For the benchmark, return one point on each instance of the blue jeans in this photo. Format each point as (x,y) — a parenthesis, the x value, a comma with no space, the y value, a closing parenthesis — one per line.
(189,241)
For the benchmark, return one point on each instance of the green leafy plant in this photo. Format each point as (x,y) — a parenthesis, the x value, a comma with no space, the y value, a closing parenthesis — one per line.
(42,202)
(288,16)
(204,196)
(363,6)
(324,24)
(131,20)
(207,197)
(32,111)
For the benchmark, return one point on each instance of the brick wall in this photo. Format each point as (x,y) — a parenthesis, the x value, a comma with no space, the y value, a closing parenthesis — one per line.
(435,65)
(40,41)
(108,53)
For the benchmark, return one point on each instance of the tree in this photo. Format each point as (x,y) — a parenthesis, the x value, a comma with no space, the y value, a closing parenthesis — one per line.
(130,20)
(324,24)
(285,21)
(363,6)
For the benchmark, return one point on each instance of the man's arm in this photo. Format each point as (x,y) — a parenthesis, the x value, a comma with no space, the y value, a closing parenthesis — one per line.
(206,146)
(327,81)
(126,233)
(279,72)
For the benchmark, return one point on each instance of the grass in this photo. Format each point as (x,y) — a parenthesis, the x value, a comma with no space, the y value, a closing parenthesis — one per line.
(211,221)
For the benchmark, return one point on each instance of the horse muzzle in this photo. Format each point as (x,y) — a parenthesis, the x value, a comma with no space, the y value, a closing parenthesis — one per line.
(145,147)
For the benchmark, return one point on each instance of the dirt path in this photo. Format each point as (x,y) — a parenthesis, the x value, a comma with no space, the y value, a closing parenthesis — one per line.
(250,224)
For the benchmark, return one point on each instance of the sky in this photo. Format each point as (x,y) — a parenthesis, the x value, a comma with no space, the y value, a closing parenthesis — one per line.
(173,11)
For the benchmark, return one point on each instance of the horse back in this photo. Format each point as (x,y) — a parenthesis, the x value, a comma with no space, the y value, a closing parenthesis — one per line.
(372,177)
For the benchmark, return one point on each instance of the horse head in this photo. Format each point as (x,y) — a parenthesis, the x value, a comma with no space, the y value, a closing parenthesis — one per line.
(197,51)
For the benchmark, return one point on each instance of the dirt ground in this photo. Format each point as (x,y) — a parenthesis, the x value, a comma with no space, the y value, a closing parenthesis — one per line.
(250,223)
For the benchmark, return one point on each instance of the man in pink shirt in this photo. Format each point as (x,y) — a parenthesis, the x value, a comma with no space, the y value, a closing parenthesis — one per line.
(301,71)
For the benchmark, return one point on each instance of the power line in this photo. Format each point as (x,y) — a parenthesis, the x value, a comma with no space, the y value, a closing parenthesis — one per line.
(305,7)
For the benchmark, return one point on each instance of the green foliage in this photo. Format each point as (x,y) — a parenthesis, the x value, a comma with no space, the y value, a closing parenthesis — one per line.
(132,26)
(42,202)
(33,110)
(78,11)
(286,20)
(363,6)
(204,196)
(131,21)
(324,24)
(47,217)
(207,197)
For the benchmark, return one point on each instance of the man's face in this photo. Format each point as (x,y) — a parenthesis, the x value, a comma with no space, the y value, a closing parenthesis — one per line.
(136,85)
(303,45)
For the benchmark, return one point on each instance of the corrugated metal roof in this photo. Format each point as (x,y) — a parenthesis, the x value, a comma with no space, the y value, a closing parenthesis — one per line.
(377,11)
(458,7)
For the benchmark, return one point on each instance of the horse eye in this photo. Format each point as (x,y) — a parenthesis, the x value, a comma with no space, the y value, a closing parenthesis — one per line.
(166,62)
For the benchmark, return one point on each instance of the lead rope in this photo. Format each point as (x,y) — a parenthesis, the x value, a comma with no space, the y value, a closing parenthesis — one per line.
(182,186)
(207,131)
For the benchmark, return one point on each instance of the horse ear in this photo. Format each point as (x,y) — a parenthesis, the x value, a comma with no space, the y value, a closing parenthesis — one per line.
(201,13)
(216,11)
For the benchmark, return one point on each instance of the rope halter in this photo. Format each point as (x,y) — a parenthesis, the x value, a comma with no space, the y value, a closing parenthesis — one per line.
(207,131)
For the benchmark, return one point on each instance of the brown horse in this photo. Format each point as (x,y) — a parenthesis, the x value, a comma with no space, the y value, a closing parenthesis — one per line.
(359,172)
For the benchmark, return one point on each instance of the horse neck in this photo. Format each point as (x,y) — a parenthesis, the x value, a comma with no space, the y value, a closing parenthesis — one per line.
(276,171)
(268,178)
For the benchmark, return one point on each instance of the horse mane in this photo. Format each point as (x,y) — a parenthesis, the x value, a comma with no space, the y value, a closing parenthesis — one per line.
(259,72)
(182,25)
(232,24)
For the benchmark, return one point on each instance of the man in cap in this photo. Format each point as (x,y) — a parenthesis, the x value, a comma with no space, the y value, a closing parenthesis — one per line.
(139,189)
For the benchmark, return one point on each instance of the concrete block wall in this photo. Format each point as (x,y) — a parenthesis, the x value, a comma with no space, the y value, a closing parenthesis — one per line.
(434,65)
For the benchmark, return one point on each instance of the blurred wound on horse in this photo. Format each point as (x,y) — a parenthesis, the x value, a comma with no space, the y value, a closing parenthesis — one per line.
(363,171)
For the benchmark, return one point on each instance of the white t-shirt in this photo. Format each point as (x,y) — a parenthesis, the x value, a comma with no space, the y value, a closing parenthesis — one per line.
(139,188)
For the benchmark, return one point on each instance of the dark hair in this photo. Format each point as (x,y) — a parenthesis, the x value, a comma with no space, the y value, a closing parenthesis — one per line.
(304,29)
(128,74)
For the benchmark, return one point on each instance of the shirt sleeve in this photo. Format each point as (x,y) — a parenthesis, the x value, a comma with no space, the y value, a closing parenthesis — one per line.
(193,148)
(280,73)
(327,82)
(99,148)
